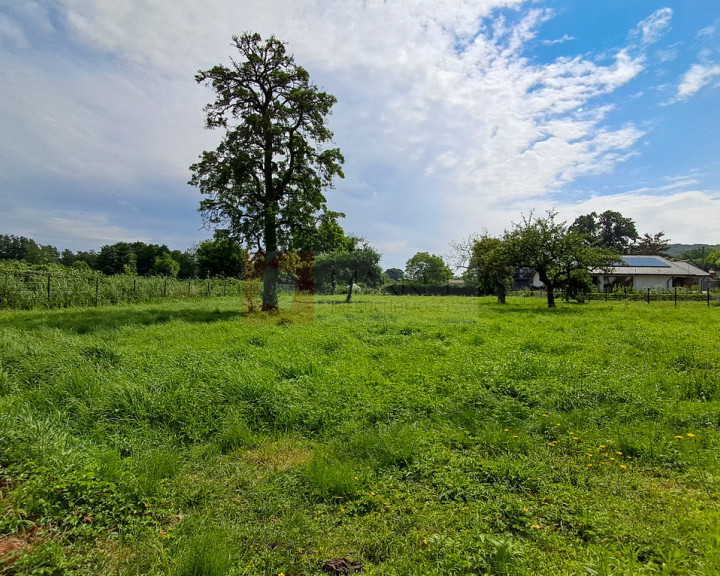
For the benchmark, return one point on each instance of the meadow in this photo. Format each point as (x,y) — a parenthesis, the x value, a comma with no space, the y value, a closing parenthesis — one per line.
(410,435)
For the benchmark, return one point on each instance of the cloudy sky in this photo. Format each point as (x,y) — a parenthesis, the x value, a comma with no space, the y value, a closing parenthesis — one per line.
(454,116)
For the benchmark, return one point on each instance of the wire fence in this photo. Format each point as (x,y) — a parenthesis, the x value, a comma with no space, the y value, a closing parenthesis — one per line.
(675,295)
(29,289)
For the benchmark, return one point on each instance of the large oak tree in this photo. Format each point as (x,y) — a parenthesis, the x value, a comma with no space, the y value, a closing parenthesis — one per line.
(264,182)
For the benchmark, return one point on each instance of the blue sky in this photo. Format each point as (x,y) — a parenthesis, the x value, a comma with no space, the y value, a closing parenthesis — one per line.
(454,117)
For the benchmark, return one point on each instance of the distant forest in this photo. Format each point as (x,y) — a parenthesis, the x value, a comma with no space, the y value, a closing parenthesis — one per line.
(208,259)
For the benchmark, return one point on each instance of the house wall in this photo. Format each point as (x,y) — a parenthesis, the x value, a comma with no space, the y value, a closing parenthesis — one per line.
(652,282)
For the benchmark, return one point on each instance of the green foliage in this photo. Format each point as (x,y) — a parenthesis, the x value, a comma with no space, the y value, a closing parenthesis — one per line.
(490,266)
(655,245)
(166,266)
(427,268)
(335,270)
(265,180)
(222,256)
(610,230)
(27,250)
(554,251)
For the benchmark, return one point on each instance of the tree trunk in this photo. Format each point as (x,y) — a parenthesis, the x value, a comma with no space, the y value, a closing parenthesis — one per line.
(271,272)
(350,289)
(500,292)
(549,287)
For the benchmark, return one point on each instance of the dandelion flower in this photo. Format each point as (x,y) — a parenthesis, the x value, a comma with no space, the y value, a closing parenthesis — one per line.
(589,465)
(507,430)
(612,458)
(602,446)
(590,455)
(678,437)
(623,466)
(514,436)
(618,453)
(690,435)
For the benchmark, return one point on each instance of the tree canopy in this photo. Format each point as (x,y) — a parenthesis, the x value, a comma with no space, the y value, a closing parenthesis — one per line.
(610,230)
(264,182)
(560,256)
(654,245)
(490,266)
(427,268)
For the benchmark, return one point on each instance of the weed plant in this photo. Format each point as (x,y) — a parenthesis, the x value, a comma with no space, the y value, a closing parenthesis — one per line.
(417,436)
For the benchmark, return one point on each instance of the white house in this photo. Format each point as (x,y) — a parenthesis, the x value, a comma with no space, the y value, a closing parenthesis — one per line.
(654,272)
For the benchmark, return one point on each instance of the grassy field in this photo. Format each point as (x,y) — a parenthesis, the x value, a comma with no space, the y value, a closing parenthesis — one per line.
(416,436)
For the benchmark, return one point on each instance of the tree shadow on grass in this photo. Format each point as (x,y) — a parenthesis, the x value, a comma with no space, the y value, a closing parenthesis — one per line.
(107,318)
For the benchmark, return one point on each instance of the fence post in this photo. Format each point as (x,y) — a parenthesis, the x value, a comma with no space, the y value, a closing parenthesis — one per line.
(189,282)
(208,288)
(97,291)
(224,287)
(48,288)
(648,295)
(675,295)
(708,292)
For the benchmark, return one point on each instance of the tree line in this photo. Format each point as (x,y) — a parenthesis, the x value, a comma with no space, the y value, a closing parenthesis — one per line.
(562,255)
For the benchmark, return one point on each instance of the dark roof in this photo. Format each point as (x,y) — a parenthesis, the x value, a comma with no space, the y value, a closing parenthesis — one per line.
(652,266)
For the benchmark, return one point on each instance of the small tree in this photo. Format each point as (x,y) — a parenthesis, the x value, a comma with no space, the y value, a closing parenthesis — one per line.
(654,245)
(349,268)
(490,266)
(427,268)
(554,252)
(166,266)
(221,256)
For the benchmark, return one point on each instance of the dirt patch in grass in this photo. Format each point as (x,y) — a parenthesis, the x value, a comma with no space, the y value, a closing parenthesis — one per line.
(278,456)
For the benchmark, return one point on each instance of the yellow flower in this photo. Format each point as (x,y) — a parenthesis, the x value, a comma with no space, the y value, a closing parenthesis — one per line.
(590,455)
(690,435)
(545,415)
(507,430)
(514,436)
(589,465)
(612,458)
(618,453)
(602,446)
(678,437)
(623,466)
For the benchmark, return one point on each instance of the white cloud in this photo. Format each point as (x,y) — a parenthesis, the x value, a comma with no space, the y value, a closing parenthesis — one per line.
(441,113)
(694,79)
(684,216)
(75,230)
(655,25)
(562,40)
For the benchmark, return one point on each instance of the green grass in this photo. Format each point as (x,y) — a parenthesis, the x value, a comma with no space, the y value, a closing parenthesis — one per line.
(418,436)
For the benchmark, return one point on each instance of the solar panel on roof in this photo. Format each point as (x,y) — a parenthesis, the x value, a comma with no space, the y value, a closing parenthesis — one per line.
(645,262)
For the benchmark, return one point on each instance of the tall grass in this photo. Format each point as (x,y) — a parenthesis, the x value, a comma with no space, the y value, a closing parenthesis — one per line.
(413,435)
